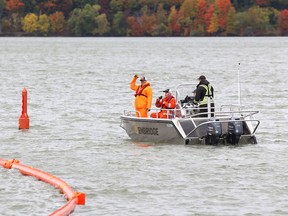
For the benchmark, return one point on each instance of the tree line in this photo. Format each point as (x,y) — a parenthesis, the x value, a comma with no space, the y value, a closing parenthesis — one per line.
(144,17)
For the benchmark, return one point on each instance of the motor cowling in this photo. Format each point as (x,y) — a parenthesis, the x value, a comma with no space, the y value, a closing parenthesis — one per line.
(214,133)
(235,130)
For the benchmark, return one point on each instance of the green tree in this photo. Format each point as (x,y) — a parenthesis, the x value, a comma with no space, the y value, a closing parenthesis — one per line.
(243,5)
(81,3)
(257,21)
(43,24)
(173,23)
(117,5)
(187,15)
(102,25)
(231,22)
(30,6)
(73,22)
(240,23)
(82,22)
(279,4)
(119,25)
(161,15)
(273,16)
(2,7)
(161,22)
(133,5)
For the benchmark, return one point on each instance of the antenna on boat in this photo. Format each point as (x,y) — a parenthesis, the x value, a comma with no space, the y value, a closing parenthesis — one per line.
(239,86)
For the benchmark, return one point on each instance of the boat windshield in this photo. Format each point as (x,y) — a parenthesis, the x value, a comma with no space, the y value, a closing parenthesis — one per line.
(185,93)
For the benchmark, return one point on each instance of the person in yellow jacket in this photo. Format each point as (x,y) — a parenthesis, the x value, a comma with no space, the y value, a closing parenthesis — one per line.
(143,96)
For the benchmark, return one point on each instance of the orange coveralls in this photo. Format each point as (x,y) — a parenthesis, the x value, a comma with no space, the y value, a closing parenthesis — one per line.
(143,97)
(168,102)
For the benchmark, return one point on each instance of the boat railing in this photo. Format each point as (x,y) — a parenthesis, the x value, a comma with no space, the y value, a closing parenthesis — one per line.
(194,112)
(232,107)
(131,113)
(234,114)
(255,121)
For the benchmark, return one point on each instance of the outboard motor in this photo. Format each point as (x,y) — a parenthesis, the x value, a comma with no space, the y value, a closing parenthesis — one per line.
(235,130)
(214,132)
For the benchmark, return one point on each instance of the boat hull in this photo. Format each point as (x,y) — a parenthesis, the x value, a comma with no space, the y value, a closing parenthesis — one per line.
(151,130)
(184,131)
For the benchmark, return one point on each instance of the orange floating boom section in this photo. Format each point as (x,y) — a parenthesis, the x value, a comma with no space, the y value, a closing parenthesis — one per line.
(74,198)
(24,118)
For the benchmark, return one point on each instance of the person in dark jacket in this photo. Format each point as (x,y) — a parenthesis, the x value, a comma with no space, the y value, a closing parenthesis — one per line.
(204,94)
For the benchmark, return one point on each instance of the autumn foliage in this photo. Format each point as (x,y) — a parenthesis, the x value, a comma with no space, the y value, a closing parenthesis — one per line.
(283,23)
(14,5)
(145,18)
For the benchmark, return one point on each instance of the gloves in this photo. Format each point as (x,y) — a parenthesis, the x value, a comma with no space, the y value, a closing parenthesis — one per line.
(160,97)
(136,75)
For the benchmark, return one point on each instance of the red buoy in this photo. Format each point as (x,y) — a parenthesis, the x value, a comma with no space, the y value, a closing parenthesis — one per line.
(24,118)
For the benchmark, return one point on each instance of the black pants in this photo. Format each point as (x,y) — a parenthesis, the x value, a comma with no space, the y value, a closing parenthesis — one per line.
(204,109)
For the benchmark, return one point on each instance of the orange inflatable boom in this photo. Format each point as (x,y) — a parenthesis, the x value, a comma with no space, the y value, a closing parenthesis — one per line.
(74,198)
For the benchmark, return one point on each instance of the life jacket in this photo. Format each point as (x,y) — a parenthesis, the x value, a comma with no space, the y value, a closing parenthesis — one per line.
(141,89)
(165,107)
(208,94)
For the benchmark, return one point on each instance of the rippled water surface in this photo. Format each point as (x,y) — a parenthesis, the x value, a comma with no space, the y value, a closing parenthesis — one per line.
(78,88)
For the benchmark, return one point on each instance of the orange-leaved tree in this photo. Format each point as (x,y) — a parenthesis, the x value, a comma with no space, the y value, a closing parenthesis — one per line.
(202,8)
(223,7)
(283,22)
(134,26)
(57,22)
(14,5)
(47,7)
(211,27)
(147,22)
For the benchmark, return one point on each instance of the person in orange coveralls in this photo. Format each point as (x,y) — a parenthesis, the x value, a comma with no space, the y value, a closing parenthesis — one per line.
(168,102)
(143,96)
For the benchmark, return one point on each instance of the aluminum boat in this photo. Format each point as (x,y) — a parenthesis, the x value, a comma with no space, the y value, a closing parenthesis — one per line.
(230,124)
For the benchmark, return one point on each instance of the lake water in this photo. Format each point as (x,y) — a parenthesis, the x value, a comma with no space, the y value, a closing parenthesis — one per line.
(78,88)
